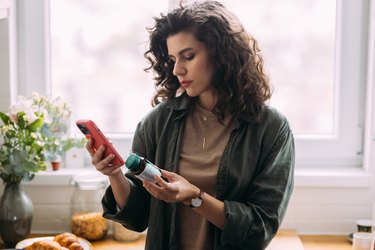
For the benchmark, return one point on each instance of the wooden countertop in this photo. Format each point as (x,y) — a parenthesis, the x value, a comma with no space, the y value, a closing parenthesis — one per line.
(106,243)
(285,239)
(109,243)
(326,242)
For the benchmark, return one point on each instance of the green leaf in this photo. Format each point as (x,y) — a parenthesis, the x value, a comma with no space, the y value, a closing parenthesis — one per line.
(19,169)
(42,166)
(30,167)
(73,143)
(4,117)
(28,176)
(20,120)
(16,158)
(68,145)
(38,123)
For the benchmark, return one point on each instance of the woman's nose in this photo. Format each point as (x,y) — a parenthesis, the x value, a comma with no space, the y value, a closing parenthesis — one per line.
(178,69)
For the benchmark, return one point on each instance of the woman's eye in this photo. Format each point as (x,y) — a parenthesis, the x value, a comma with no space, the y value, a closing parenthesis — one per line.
(171,61)
(190,57)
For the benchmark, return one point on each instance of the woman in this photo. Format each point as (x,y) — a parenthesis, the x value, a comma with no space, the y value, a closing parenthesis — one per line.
(227,158)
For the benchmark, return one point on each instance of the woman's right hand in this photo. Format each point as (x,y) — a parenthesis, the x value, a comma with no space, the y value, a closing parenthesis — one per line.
(101,163)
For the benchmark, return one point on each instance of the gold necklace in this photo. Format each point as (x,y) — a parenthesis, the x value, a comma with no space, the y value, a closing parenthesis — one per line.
(204,118)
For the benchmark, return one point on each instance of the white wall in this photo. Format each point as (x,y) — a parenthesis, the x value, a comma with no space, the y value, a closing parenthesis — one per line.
(4,58)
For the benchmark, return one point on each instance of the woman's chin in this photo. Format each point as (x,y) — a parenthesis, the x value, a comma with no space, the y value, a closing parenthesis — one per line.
(191,93)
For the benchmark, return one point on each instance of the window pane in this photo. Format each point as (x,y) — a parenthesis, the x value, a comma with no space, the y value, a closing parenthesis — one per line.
(97,59)
(296,38)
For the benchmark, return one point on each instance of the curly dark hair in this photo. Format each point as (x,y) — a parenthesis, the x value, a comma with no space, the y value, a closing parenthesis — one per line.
(239,76)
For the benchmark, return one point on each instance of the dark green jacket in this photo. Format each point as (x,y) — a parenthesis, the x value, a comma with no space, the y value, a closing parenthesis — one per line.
(254,179)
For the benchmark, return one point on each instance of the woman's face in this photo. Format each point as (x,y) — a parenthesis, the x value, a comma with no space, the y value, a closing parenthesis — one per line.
(192,66)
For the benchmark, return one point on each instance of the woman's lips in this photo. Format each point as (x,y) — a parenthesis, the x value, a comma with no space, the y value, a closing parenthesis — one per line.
(185,83)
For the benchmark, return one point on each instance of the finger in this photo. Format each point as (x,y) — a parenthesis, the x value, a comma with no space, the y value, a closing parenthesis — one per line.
(160,193)
(98,155)
(167,174)
(106,162)
(109,170)
(89,147)
(152,188)
(160,181)
(109,159)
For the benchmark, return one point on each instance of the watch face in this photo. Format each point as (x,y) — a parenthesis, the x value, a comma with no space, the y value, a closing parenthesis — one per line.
(197,202)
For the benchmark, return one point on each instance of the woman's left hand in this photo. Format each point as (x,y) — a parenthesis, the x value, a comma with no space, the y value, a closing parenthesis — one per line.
(177,189)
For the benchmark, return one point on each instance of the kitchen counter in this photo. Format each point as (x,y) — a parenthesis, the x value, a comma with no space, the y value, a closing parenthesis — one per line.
(109,243)
(285,239)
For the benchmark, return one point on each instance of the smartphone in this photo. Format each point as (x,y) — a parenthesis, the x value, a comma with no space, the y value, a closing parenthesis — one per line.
(90,130)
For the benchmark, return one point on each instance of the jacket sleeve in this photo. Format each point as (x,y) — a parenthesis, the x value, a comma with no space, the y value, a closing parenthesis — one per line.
(254,221)
(135,214)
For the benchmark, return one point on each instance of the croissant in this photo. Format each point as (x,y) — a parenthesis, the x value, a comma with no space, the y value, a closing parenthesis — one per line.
(45,245)
(69,241)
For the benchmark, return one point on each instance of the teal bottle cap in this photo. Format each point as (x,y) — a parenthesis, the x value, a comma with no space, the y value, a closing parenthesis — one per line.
(133,162)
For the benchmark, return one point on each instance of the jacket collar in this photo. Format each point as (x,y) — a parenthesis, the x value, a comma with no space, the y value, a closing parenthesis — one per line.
(180,103)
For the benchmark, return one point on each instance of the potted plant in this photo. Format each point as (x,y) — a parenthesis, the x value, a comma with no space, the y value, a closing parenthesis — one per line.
(21,156)
(21,142)
(55,128)
(33,131)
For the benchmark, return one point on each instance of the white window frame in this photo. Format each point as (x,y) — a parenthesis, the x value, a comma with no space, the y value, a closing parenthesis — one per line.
(344,149)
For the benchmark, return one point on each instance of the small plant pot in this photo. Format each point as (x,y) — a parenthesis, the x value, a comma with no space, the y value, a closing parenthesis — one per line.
(56,165)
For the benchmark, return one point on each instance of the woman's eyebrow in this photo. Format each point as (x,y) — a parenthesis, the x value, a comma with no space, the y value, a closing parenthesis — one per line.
(182,51)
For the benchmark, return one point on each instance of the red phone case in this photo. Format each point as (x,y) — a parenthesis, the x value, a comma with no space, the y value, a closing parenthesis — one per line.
(90,130)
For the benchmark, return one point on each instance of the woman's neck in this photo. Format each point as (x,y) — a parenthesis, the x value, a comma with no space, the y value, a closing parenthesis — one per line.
(207,102)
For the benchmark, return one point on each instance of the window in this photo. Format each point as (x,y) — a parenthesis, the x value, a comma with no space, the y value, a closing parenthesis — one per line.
(297,42)
(312,53)
(97,59)
(315,53)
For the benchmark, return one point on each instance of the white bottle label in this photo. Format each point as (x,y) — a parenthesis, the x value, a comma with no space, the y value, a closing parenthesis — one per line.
(149,173)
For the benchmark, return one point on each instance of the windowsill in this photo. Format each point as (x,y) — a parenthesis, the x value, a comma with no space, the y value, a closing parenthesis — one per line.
(61,177)
(304,177)
(333,177)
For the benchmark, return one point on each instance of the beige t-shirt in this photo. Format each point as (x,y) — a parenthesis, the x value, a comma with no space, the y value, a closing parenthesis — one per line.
(203,144)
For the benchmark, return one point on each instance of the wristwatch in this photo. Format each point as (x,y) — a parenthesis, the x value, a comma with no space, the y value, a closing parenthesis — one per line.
(197,202)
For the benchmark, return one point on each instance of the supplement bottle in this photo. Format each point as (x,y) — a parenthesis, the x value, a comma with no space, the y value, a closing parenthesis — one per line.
(142,168)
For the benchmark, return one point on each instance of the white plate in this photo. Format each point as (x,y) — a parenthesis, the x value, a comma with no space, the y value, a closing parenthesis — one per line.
(26,242)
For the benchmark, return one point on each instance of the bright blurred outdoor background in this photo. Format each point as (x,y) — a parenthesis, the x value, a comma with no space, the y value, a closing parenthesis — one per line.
(97,58)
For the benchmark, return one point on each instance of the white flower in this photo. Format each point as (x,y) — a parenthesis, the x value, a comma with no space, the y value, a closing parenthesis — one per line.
(4,129)
(37,97)
(46,115)
(40,143)
(23,105)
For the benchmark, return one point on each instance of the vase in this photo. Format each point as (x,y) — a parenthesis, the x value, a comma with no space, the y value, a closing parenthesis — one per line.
(16,212)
